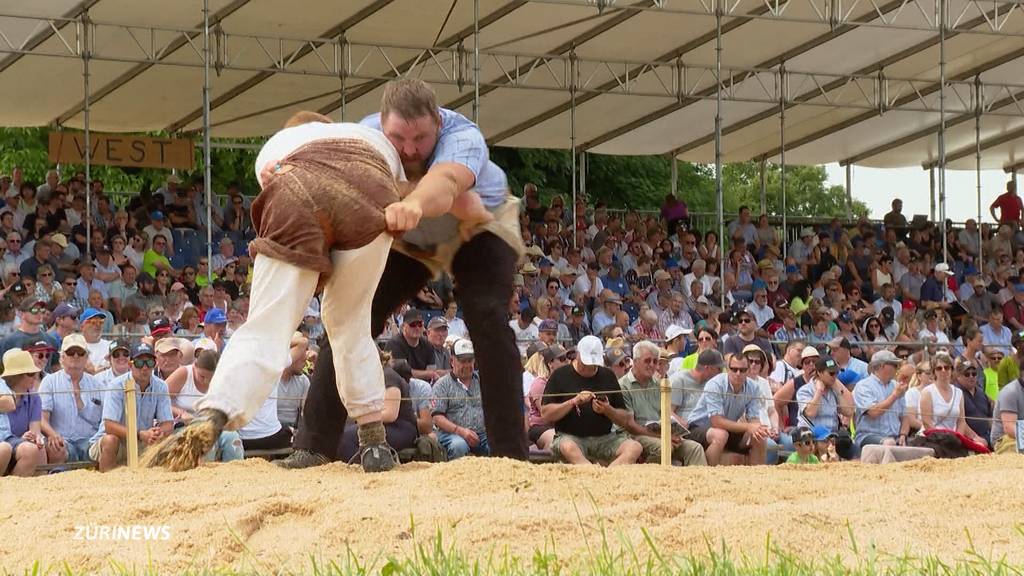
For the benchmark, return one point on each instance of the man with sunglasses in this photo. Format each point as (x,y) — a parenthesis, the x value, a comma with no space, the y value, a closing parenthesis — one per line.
(108,446)
(410,345)
(72,404)
(747,334)
(978,407)
(727,415)
(119,359)
(30,327)
(824,400)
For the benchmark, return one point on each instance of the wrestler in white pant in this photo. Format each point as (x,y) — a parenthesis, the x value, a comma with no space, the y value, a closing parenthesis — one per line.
(258,350)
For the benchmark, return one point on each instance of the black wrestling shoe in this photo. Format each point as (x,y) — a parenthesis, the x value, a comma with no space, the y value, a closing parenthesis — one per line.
(300,459)
(376,458)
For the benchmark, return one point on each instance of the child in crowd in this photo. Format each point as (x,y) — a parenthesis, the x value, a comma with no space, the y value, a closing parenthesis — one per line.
(803,440)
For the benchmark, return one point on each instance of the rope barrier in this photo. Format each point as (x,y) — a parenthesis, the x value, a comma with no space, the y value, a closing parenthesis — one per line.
(620,391)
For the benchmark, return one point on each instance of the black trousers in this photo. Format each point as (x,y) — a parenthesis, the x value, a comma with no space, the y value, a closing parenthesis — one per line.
(483,271)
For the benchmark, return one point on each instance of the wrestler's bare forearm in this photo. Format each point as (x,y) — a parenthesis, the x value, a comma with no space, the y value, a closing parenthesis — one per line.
(437,190)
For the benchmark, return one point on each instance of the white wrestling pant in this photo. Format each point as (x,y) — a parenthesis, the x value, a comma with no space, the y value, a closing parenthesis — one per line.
(257,353)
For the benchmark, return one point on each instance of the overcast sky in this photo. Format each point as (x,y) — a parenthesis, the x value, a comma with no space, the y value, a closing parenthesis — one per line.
(877,187)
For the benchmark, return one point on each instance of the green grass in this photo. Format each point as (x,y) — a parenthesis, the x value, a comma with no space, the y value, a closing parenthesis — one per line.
(434,556)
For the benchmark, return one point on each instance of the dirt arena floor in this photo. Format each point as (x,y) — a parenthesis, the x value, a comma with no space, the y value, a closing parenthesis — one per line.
(223,514)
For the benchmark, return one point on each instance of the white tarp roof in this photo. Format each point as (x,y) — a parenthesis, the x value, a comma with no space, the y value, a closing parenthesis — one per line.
(864,89)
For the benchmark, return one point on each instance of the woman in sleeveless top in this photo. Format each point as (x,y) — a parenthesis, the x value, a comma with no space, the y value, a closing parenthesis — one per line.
(942,404)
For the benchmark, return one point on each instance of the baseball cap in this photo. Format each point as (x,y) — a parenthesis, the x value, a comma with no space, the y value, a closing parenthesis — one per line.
(160,326)
(577,311)
(215,316)
(613,356)
(463,349)
(822,433)
(710,359)
(89,314)
(73,341)
(529,269)
(671,263)
(166,345)
(28,303)
(660,275)
(807,232)
(848,377)
(156,215)
(613,298)
(809,352)
(792,269)
(590,351)
(674,331)
(119,345)
(534,347)
(943,268)
(846,317)
(548,326)
(437,322)
(885,357)
(177,286)
(568,271)
(826,363)
(142,349)
(543,261)
(412,315)
(753,349)
(552,352)
(40,345)
(64,309)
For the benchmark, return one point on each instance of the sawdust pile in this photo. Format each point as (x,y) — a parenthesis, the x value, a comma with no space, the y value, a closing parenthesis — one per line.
(231,514)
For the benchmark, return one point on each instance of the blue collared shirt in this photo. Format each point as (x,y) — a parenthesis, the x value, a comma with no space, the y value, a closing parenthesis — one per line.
(871,391)
(719,399)
(72,422)
(154,406)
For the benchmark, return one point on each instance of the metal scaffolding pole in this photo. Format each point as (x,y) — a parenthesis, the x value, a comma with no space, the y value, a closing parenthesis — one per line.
(86,51)
(849,191)
(343,55)
(942,127)
(782,157)
(762,172)
(931,192)
(583,173)
(674,171)
(718,147)
(572,138)
(207,173)
(476,61)
(979,106)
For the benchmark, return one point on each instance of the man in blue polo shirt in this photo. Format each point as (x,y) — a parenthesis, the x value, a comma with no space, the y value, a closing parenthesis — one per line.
(109,447)
(880,407)
(727,415)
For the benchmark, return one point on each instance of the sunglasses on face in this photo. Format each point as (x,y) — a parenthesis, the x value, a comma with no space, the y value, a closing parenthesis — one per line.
(42,355)
(738,370)
(705,339)
(144,363)
(808,443)
(754,360)
(45,275)
(119,354)
(75,353)
(416,324)
(942,369)
(36,310)
(971,372)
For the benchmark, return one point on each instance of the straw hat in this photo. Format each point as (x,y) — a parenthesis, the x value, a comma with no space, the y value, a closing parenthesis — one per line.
(18,361)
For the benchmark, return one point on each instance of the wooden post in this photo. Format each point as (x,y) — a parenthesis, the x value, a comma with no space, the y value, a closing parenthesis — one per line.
(666,422)
(131,423)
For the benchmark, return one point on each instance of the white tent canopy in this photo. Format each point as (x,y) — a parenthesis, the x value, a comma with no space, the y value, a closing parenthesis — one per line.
(858,78)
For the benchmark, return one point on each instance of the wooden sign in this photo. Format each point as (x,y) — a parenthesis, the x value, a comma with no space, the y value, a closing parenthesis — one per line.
(122,150)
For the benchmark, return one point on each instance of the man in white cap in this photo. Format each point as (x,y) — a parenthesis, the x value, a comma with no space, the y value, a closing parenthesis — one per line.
(583,422)
(934,289)
(802,249)
(881,416)
(675,342)
(456,410)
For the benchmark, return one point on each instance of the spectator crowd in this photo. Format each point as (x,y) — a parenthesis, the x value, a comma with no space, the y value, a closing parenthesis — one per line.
(849,335)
